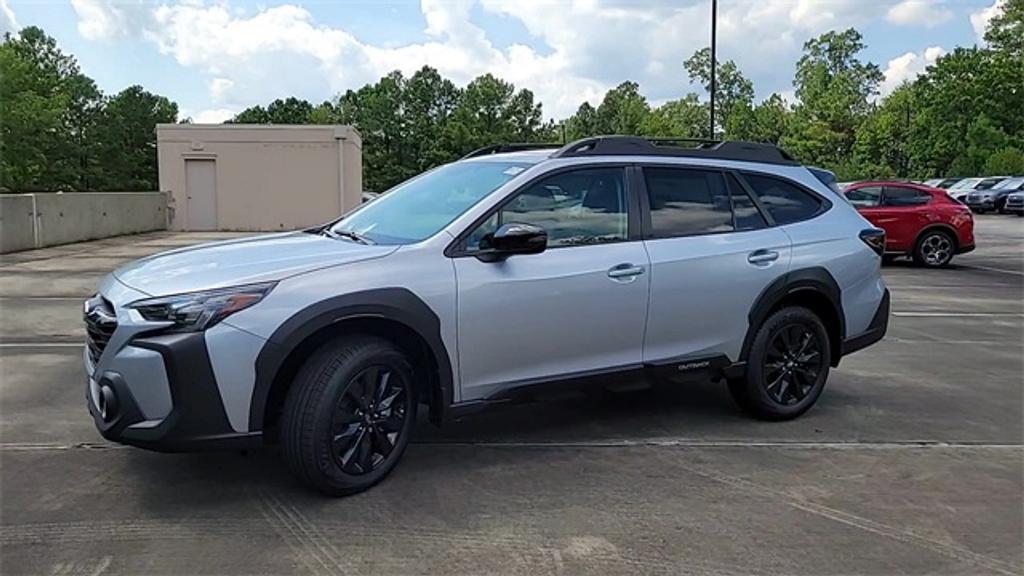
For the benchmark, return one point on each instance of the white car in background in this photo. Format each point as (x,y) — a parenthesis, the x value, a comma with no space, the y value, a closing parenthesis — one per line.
(960,190)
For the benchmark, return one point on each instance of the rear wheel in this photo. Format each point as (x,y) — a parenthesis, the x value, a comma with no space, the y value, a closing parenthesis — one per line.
(349,415)
(934,249)
(787,367)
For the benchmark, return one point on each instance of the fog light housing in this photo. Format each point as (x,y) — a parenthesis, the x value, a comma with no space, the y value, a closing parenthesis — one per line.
(106,403)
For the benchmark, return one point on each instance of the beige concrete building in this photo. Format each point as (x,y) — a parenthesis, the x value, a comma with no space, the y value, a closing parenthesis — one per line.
(258,177)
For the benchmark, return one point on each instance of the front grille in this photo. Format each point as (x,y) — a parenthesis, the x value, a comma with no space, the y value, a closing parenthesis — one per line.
(973,198)
(1015,201)
(100,323)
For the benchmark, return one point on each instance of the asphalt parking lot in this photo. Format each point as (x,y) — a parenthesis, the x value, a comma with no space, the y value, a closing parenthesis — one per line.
(911,463)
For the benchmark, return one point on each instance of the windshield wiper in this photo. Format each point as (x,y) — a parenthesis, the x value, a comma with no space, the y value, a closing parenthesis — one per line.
(354,236)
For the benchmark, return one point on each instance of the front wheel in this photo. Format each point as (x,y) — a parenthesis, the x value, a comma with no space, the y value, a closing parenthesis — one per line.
(349,415)
(934,249)
(787,367)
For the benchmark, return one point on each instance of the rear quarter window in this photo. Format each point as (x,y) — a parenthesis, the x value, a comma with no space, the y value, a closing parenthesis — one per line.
(786,202)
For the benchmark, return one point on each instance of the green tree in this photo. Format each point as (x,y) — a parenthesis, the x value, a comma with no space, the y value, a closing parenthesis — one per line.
(36,94)
(1008,160)
(59,132)
(251,115)
(885,138)
(732,88)
(835,89)
(583,123)
(623,110)
(686,117)
(766,122)
(1006,30)
(491,111)
(128,139)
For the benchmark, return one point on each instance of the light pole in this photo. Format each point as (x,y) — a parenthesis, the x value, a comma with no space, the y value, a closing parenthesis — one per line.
(714,27)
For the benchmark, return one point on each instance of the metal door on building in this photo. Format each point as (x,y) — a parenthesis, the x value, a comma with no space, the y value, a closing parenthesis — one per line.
(201,194)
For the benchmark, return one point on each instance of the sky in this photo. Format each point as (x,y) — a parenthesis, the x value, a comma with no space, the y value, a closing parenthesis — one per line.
(218,57)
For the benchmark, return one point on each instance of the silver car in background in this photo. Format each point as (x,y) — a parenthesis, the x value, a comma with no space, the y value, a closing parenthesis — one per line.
(514,270)
(994,199)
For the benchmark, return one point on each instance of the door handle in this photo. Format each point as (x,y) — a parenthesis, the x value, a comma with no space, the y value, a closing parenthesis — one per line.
(762,256)
(625,271)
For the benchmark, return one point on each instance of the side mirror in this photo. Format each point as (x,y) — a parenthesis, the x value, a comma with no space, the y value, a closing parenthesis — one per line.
(513,238)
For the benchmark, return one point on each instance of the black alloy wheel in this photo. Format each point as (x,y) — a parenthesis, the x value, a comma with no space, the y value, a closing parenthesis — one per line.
(368,419)
(793,361)
(349,414)
(787,367)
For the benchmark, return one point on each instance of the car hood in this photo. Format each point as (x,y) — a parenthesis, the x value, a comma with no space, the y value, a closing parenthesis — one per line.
(242,261)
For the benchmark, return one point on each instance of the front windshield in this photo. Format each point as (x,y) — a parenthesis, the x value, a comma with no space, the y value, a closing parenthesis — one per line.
(968,183)
(1011,183)
(988,184)
(421,207)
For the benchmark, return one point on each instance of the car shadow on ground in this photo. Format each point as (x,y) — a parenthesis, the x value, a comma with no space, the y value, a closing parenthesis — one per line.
(679,412)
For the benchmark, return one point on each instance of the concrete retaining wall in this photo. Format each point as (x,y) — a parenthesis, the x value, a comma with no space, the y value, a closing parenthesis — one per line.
(47,219)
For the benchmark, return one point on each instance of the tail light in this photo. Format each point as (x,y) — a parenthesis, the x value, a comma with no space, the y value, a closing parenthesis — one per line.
(874,238)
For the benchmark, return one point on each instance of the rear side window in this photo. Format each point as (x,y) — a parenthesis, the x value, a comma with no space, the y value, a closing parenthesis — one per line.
(748,217)
(686,202)
(866,197)
(897,196)
(784,201)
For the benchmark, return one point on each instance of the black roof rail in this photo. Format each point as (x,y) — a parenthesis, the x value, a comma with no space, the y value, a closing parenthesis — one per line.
(636,146)
(511,147)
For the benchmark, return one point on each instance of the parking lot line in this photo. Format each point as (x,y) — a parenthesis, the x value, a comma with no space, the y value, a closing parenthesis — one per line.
(959,314)
(991,269)
(41,344)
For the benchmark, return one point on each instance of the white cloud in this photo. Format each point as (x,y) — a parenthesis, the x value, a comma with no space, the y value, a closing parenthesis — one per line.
(109,19)
(927,13)
(907,67)
(8,23)
(981,18)
(219,88)
(250,57)
(212,116)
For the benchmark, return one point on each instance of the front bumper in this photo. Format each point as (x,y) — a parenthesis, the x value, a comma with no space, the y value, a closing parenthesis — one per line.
(987,204)
(196,419)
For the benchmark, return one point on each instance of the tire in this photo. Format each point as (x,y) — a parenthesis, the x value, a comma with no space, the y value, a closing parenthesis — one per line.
(335,436)
(775,388)
(934,249)
(1020,214)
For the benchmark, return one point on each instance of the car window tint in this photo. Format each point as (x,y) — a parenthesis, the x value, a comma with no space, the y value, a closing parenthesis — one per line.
(899,196)
(866,197)
(575,208)
(784,201)
(686,202)
(747,216)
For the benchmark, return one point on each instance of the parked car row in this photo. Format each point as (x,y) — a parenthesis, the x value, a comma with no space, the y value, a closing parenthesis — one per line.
(983,194)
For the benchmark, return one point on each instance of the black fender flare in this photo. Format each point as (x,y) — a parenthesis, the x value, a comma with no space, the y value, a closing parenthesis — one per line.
(394,304)
(813,279)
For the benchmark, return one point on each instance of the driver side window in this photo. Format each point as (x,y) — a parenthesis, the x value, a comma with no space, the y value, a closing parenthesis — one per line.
(578,207)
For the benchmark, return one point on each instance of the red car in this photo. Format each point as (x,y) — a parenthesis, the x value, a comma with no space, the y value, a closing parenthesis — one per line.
(919,221)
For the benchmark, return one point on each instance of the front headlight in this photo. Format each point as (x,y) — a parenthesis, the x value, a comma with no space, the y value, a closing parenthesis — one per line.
(196,311)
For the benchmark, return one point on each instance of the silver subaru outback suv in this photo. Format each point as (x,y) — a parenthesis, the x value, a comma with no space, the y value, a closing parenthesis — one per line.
(484,281)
